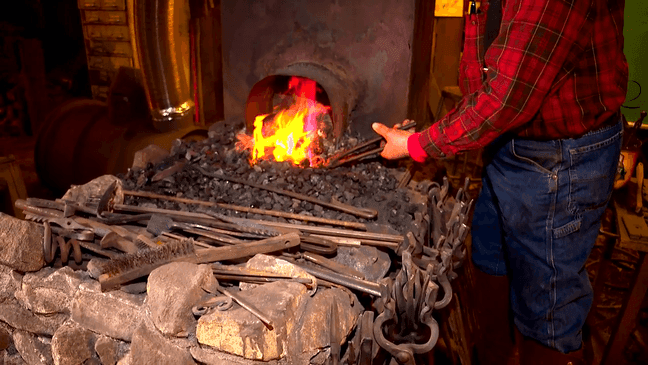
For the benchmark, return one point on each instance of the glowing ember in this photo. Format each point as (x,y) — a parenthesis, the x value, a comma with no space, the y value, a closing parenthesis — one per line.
(289,134)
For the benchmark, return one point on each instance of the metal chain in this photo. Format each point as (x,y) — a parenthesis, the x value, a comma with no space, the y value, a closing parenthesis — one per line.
(405,325)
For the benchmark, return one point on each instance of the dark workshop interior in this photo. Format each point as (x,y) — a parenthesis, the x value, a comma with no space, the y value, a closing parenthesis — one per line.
(131,164)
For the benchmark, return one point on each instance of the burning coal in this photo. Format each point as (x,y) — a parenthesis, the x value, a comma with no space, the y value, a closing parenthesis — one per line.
(295,130)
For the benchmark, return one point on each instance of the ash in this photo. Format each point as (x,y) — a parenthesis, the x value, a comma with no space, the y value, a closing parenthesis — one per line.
(371,183)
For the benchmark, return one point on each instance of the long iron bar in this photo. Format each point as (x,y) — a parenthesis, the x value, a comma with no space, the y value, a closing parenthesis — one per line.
(275,213)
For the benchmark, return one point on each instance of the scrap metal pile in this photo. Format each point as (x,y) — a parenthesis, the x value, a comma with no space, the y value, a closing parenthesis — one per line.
(205,204)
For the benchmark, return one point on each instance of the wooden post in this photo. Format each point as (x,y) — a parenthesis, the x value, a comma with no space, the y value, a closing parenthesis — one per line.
(210,65)
(10,172)
(417,108)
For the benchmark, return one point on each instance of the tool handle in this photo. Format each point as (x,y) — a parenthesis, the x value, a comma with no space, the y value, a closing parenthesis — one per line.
(640,177)
(26,207)
(242,250)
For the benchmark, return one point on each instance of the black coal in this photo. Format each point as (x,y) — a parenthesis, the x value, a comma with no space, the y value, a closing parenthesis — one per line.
(369,184)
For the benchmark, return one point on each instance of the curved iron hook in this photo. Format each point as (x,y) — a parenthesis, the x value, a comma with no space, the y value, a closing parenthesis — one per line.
(404,353)
(447,292)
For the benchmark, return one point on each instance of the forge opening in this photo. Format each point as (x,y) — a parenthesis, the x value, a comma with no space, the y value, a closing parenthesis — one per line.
(271,91)
(288,118)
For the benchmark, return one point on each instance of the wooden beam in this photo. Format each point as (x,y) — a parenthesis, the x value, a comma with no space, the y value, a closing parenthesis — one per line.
(447,52)
(10,172)
(417,108)
(210,64)
(444,66)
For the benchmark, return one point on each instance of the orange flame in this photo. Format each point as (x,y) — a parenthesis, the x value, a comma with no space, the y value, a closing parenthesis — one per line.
(290,134)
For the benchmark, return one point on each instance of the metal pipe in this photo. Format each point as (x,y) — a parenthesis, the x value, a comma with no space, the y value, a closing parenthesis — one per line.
(162,32)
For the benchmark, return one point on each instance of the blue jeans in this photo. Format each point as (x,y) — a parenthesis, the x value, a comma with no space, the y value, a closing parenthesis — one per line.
(536,220)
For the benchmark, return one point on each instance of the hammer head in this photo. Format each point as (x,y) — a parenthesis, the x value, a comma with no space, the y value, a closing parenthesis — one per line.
(159,224)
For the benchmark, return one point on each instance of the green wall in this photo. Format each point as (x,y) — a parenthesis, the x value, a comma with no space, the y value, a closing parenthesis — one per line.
(636,50)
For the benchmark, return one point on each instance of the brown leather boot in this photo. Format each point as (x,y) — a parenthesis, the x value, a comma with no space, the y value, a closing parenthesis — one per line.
(533,352)
(494,344)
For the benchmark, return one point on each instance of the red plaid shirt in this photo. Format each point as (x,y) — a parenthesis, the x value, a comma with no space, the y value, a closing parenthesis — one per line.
(556,70)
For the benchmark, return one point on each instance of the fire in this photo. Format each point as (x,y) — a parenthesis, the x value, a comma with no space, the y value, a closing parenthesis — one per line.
(289,134)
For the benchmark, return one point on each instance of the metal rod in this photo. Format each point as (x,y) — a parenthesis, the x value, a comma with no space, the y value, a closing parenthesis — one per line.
(337,232)
(248,306)
(336,160)
(259,279)
(333,265)
(275,213)
(369,238)
(347,281)
(359,156)
(365,236)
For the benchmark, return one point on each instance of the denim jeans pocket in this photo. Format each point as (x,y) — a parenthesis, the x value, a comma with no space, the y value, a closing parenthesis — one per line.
(592,170)
(539,156)
(569,228)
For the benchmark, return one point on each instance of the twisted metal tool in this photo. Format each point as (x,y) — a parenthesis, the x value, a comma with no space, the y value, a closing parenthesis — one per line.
(350,154)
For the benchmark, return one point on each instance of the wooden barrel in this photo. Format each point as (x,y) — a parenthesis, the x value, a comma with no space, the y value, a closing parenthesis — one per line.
(75,144)
(78,142)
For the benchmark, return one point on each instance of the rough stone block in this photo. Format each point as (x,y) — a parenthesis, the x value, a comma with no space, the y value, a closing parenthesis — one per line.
(6,339)
(16,316)
(109,350)
(13,359)
(10,281)
(33,349)
(314,331)
(277,266)
(208,356)
(126,360)
(21,244)
(94,189)
(92,361)
(72,344)
(150,347)
(115,314)
(49,291)
(172,290)
(239,332)
(151,153)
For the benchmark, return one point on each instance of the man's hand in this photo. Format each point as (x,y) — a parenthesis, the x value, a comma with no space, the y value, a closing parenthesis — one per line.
(396,141)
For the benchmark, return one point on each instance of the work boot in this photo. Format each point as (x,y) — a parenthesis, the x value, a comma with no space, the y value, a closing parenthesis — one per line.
(533,352)
(495,344)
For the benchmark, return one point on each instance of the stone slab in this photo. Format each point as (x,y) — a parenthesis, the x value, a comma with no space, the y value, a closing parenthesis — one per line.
(10,281)
(35,350)
(239,332)
(115,314)
(173,289)
(49,290)
(72,344)
(16,316)
(150,347)
(21,244)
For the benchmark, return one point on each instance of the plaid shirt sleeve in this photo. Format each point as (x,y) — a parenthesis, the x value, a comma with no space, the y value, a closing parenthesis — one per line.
(535,41)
